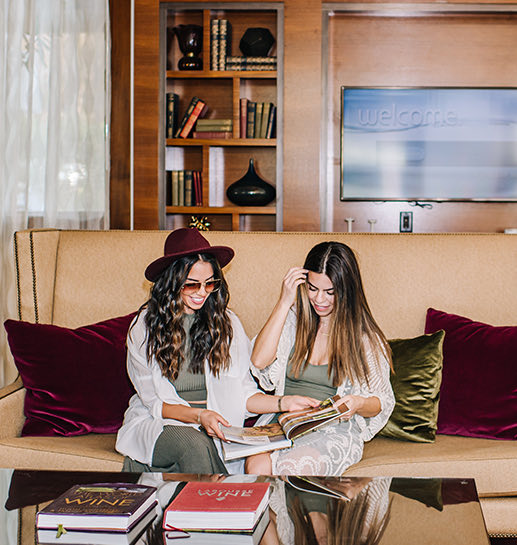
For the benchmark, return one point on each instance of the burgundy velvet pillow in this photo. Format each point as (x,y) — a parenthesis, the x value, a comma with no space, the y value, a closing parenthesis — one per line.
(76,379)
(478,395)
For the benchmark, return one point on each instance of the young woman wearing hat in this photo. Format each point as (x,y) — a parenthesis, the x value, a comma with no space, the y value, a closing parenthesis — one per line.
(321,340)
(188,359)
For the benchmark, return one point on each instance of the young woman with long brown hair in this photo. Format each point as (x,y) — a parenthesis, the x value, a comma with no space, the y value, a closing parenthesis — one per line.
(188,359)
(321,340)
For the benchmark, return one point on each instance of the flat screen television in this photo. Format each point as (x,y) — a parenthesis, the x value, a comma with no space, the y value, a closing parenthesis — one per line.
(429,144)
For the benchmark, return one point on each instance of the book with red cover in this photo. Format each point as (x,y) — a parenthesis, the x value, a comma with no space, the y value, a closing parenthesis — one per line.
(210,135)
(217,506)
(198,111)
(188,112)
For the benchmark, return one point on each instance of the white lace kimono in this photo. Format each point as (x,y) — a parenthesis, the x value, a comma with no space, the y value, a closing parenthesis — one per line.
(334,448)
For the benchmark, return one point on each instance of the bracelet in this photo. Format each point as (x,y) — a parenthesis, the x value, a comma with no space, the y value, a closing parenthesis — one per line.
(199,417)
(280,405)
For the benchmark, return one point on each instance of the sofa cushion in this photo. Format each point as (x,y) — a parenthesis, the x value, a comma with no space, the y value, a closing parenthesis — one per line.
(416,380)
(491,463)
(76,379)
(478,397)
(91,452)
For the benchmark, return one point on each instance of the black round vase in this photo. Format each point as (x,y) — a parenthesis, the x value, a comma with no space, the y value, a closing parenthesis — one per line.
(251,190)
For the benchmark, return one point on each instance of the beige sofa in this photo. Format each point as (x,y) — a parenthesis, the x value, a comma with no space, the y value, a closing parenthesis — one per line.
(75,278)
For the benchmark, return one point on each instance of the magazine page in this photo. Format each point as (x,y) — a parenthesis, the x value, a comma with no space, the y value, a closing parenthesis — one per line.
(298,423)
(256,435)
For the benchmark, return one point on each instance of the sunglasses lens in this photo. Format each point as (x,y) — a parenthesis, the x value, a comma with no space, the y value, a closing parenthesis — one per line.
(194,287)
(191,287)
(211,285)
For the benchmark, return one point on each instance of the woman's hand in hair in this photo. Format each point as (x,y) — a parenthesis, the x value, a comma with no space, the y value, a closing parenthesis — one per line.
(294,277)
(298,403)
(210,420)
(364,406)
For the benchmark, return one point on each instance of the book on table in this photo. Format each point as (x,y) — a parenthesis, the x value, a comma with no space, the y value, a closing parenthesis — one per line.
(223,506)
(108,507)
(243,442)
(222,537)
(83,537)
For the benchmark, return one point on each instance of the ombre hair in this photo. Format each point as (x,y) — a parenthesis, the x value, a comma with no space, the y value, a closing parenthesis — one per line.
(353,330)
(211,331)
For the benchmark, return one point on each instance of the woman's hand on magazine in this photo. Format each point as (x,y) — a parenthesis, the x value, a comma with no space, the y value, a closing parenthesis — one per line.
(298,403)
(354,404)
(210,420)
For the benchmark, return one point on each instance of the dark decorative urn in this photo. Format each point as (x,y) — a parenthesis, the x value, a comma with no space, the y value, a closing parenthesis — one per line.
(257,42)
(190,41)
(251,189)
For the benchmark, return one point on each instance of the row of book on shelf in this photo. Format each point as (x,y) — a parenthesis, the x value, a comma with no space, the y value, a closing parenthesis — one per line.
(183,188)
(256,120)
(119,513)
(221,48)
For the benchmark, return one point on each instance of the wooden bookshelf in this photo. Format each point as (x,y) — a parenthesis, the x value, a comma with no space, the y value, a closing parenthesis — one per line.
(224,159)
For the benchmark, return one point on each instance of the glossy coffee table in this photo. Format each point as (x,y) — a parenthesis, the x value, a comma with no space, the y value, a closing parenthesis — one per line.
(384,510)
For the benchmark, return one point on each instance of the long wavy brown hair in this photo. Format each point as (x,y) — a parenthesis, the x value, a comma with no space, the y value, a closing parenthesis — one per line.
(353,330)
(211,332)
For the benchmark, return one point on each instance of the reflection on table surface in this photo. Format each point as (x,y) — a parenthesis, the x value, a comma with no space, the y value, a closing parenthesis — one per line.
(311,510)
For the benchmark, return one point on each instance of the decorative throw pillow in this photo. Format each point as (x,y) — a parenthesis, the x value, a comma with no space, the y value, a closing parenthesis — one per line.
(416,382)
(76,379)
(478,396)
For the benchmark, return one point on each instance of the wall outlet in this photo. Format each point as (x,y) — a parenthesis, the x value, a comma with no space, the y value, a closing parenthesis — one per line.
(406,222)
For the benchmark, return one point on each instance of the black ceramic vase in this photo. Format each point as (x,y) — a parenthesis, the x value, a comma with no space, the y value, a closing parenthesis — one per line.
(190,41)
(251,190)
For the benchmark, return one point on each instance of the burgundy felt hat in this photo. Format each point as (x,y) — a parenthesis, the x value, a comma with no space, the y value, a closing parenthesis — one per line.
(183,242)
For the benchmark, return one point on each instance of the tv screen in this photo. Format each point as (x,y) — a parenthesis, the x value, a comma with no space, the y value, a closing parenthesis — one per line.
(428,144)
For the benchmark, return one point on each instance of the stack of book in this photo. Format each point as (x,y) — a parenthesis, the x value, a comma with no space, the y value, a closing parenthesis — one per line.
(220,43)
(213,128)
(257,119)
(250,63)
(196,109)
(221,512)
(101,513)
(183,188)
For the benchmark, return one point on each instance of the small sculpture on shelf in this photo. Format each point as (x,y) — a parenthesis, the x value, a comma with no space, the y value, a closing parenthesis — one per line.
(190,41)
(200,223)
(257,42)
(251,189)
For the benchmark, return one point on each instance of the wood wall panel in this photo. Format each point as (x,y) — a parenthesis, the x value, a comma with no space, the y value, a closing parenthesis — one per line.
(443,50)
(120,163)
(146,116)
(302,115)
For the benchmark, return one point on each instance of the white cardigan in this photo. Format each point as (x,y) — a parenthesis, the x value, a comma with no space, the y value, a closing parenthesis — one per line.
(143,421)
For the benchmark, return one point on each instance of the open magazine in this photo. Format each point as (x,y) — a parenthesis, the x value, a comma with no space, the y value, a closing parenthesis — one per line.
(315,485)
(243,442)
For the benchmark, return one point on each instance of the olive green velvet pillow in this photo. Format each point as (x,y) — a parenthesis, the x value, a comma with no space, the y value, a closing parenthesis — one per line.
(416,384)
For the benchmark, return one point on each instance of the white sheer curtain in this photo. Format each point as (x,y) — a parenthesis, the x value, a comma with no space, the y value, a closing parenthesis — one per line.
(54,137)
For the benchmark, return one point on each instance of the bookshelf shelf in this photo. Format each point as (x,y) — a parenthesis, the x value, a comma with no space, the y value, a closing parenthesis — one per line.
(264,210)
(224,74)
(236,213)
(242,142)
(226,92)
